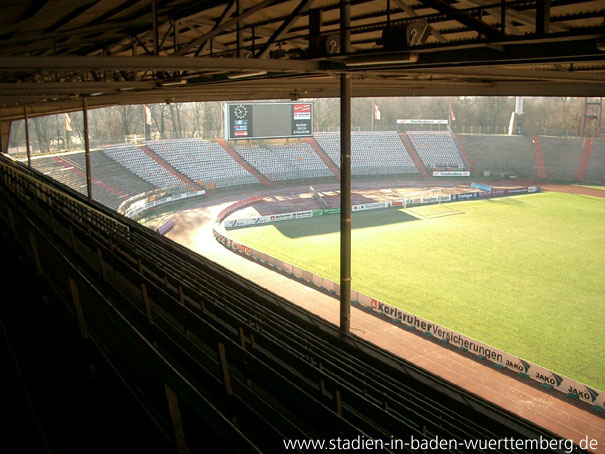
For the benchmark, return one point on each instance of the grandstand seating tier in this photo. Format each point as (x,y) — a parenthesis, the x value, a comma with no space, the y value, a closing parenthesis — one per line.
(437,149)
(372,153)
(135,160)
(123,170)
(202,161)
(285,162)
(111,184)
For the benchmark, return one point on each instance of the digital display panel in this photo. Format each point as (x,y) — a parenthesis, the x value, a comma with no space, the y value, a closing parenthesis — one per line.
(268,120)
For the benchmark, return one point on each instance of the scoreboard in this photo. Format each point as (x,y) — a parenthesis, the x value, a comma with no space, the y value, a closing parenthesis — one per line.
(270,120)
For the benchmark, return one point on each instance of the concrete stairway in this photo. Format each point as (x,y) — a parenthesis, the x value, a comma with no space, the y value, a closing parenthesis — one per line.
(468,162)
(245,164)
(184,178)
(541,171)
(415,158)
(324,157)
(586,149)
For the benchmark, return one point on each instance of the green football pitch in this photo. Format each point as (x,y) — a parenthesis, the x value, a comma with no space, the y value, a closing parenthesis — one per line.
(524,274)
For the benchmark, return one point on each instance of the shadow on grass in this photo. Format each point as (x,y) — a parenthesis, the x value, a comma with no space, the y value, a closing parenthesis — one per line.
(511,200)
(322,225)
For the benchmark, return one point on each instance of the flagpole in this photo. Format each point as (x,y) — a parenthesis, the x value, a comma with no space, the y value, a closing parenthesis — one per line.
(147,122)
(67,141)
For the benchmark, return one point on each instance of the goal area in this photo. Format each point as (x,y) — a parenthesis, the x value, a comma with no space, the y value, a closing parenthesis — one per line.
(428,204)
(423,197)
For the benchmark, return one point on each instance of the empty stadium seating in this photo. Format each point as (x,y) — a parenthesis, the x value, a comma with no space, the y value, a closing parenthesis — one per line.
(372,152)
(206,162)
(285,162)
(124,170)
(61,172)
(135,160)
(437,149)
(202,161)
(111,184)
(105,173)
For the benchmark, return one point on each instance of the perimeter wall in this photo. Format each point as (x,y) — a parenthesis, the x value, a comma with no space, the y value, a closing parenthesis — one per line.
(515,154)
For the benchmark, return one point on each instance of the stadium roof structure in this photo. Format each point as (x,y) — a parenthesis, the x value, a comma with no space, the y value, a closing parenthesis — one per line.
(55,52)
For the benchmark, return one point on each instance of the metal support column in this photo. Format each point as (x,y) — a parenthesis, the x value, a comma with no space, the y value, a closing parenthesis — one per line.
(5,127)
(503,17)
(345,174)
(87,150)
(542,16)
(315,22)
(154,27)
(29,153)
(2,136)
(239,34)
(175,35)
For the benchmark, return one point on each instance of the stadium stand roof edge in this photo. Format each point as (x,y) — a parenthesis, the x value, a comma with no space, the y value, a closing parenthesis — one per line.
(176,51)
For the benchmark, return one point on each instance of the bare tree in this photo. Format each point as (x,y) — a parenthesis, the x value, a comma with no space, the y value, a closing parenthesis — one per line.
(40,126)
